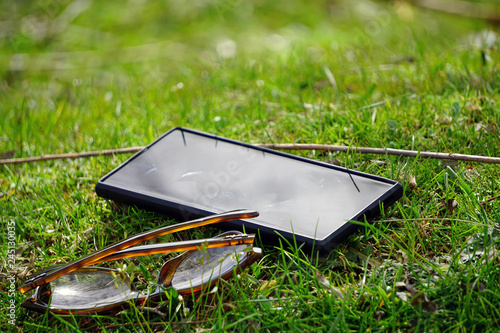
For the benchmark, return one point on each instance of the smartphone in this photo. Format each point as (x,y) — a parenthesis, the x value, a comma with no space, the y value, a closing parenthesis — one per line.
(188,174)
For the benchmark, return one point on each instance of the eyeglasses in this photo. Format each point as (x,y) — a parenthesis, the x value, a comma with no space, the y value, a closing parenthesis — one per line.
(79,288)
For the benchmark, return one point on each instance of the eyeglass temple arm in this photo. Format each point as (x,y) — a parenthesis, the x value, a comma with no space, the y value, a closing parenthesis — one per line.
(162,248)
(44,278)
(190,245)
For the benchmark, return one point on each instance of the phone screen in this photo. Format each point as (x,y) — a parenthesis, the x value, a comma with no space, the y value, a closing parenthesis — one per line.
(292,194)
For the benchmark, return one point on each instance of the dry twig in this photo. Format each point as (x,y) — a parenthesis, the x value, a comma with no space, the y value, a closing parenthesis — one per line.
(280,146)
(71,155)
(462,8)
(383,151)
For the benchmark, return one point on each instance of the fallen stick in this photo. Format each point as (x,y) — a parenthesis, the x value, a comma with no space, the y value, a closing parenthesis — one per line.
(475,10)
(279,146)
(71,155)
(383,151)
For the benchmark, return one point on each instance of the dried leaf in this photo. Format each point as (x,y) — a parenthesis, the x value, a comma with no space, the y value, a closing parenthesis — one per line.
(330,78)
(364,256)
(404,256)
(412,182)
(153,310)
(452,204)
(20,250)
(8,154)
(88,231)
(227,307)
(326,285)
(379,314)
(477,286)
(254,326)
(402,296)
(378,162)
(417,298)
(267,284)
(421,298)
(400,284)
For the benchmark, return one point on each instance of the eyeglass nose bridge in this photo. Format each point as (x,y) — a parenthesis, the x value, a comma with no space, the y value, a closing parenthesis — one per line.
(168,269)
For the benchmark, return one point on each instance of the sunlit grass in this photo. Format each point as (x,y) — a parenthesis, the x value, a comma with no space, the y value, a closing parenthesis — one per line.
(121,74)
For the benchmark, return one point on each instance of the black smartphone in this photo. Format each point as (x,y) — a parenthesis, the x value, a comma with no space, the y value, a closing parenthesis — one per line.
(188,174)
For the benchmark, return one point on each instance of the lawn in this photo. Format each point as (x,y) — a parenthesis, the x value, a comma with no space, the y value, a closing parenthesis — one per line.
(82,75)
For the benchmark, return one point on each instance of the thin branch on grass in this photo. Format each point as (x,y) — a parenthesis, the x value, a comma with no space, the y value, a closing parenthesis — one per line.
(129,150)
(384,151)
(445,219)
(153,310)
(484,202)
(462,8)
(279,146)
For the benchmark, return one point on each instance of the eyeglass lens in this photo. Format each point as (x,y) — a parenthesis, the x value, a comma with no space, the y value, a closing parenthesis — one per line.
(201,267)
(88,288)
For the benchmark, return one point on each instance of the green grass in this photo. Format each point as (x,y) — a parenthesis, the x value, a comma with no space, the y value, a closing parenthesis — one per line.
(121,74)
